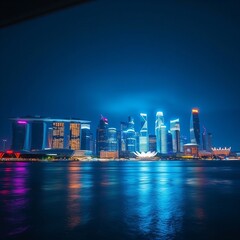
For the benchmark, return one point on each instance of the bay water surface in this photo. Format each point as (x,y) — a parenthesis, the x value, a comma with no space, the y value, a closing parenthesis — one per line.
(120,200)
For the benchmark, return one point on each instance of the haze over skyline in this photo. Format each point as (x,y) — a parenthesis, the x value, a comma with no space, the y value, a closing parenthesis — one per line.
(120,58)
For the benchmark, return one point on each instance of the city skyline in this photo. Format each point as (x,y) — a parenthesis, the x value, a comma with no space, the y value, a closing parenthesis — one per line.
(119,58)
(166,124)
(36,133)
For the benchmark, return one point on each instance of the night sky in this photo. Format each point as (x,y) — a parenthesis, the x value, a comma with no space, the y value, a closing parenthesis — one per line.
(120,58)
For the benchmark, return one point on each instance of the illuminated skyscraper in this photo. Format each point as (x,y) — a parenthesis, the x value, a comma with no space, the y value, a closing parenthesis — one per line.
(169,142)
(58,135)
(143,138)
(123,134)
(50,137)
(152,143)
(85,137)
(37,133)
(175,131)
(163,139)
(195,127)
(74,140)
(158,123)
(131,135)
(102,136)
(112,140)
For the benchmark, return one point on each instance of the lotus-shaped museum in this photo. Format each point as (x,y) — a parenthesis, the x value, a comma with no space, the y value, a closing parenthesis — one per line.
(145,154)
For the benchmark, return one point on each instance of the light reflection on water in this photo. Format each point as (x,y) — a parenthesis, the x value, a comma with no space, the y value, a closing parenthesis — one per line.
(127,200)
(14,199)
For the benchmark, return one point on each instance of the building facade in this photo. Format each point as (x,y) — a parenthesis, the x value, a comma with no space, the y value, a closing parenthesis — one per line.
(102,136)
(195,127)
(143,138)
(163,139)
(175,131)
(112,140)
(152,143)
(158,123)
(86,137)
(37,133)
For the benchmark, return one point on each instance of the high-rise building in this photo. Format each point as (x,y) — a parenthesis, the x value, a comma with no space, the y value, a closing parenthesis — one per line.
(123,134)
(163,139)
(131,135)
(143,138)
(175,131)
(50,137)
(204,139)
(152,143)
(92,144)
(158,123)
(58,135)
(169,143)
(195,127)
(37,133)
(102,136)
(112,140)
(19,129)
(74,140)
(137,141)
(86,137)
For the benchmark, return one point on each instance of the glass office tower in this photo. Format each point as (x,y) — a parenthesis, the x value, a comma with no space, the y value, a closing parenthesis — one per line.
(195,127)
(143,138)
(175,131)
(131,135)
(102,136)
(112,140)
(158,123)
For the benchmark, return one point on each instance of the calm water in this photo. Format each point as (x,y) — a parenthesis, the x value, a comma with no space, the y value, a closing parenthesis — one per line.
(120,200)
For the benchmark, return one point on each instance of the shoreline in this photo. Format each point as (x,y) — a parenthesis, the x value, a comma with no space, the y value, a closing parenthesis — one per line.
(112,160)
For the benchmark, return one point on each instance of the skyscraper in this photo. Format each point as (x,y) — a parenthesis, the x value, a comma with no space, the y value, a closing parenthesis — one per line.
(123,136)
(163,139)
(58,135)
(37,133)
(131,135)
(169,142)
(85,137)
(112,140)
(195,127)
(175,131)
(102,136)
(74,141)
(19,129)
(158,123)
(143,138)
(152,143)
